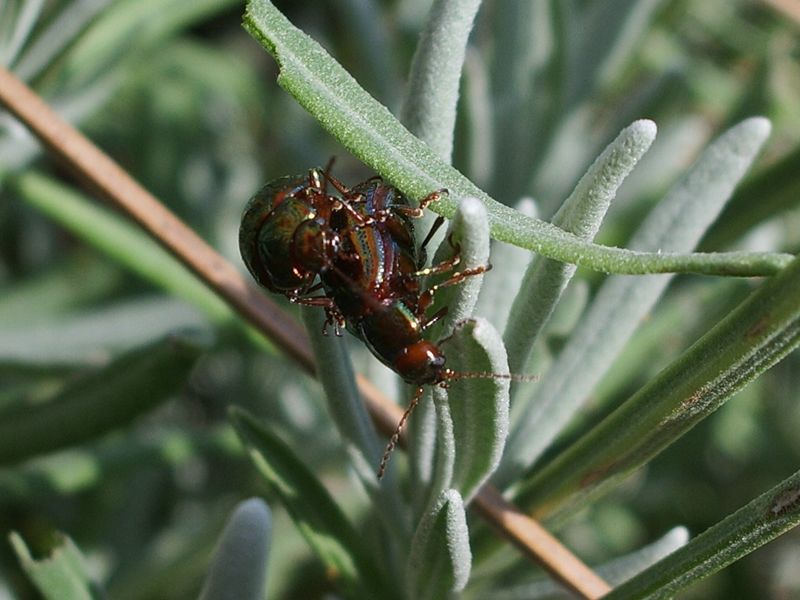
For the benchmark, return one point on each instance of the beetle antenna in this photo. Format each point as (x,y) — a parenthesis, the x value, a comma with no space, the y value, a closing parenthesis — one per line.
(393,441)
(490,375)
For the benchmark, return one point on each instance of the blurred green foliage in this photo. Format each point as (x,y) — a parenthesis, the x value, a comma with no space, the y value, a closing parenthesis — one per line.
(183,98)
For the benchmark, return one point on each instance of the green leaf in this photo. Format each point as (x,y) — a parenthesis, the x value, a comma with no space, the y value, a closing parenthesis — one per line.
(501,285)
(440,559)
(92,337)
(99,401)
(582,214)
(76,470)
(479,407)
(764,196)
(54,292)
(625,567)
(607,33)
(471,415)
(747,342)
(469,232)
(239,568)
(523,50)
(429,110)
(344,402)
(370,37)
(118,238)
(762,520)
(476,143)
(443,457)
(425,432)
(315,513)
(677,223)
(18,28)
(372,134)
(614,571)
(129,27)
(351,418)
(61,576)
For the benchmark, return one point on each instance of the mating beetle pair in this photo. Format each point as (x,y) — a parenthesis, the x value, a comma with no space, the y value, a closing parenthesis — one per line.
(360,246)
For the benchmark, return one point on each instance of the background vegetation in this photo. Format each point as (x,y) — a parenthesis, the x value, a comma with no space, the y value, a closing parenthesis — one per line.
(139,465)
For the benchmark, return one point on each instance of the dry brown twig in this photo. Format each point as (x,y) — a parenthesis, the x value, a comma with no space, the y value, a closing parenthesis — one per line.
(103,174)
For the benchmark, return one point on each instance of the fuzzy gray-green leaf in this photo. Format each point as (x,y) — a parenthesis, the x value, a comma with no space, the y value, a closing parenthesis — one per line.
(469,231)
(60,576)
(117,238)
(429,111)
(676,224)
(440,559)
(20,27)
(615,571)
(316,515)
(747,342)
(99,401)
(582,214)
(239,567)
(91,338)
(352,420)
(762,520)
(479,406)
(607,31)
(371,133)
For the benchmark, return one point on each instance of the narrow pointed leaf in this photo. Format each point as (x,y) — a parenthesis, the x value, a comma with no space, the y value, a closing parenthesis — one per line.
(772,191)
(615,571)
(677,223)
(70,472)
(607,33)
(762,520)
(429,111)
(747,342)
(524,44)
(501,285)
(56,35)
(445,454)
(472,415)
(99,401)
(582,214)
(119,239)
(239,567)
(352,420)
(440,559)
(344,401)
(316,515)
(371,133)
(60,576)
(479,407)
(54,292)
(24,22)
(93,337)
(468,235)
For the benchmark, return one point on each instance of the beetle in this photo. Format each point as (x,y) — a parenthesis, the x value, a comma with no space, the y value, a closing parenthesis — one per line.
(374,282)
(286,239)
(362,246)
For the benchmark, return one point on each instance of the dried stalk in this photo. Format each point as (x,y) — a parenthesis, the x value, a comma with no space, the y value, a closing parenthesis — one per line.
(98,170)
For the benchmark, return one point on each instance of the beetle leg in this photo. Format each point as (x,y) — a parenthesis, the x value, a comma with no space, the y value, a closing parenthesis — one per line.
(442,267)
(335,318)
(416,212)
(426,297)
(434,318)
(322,301)
(434,228)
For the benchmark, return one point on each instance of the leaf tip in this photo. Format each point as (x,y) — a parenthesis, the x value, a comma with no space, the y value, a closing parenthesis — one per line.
(644,128)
